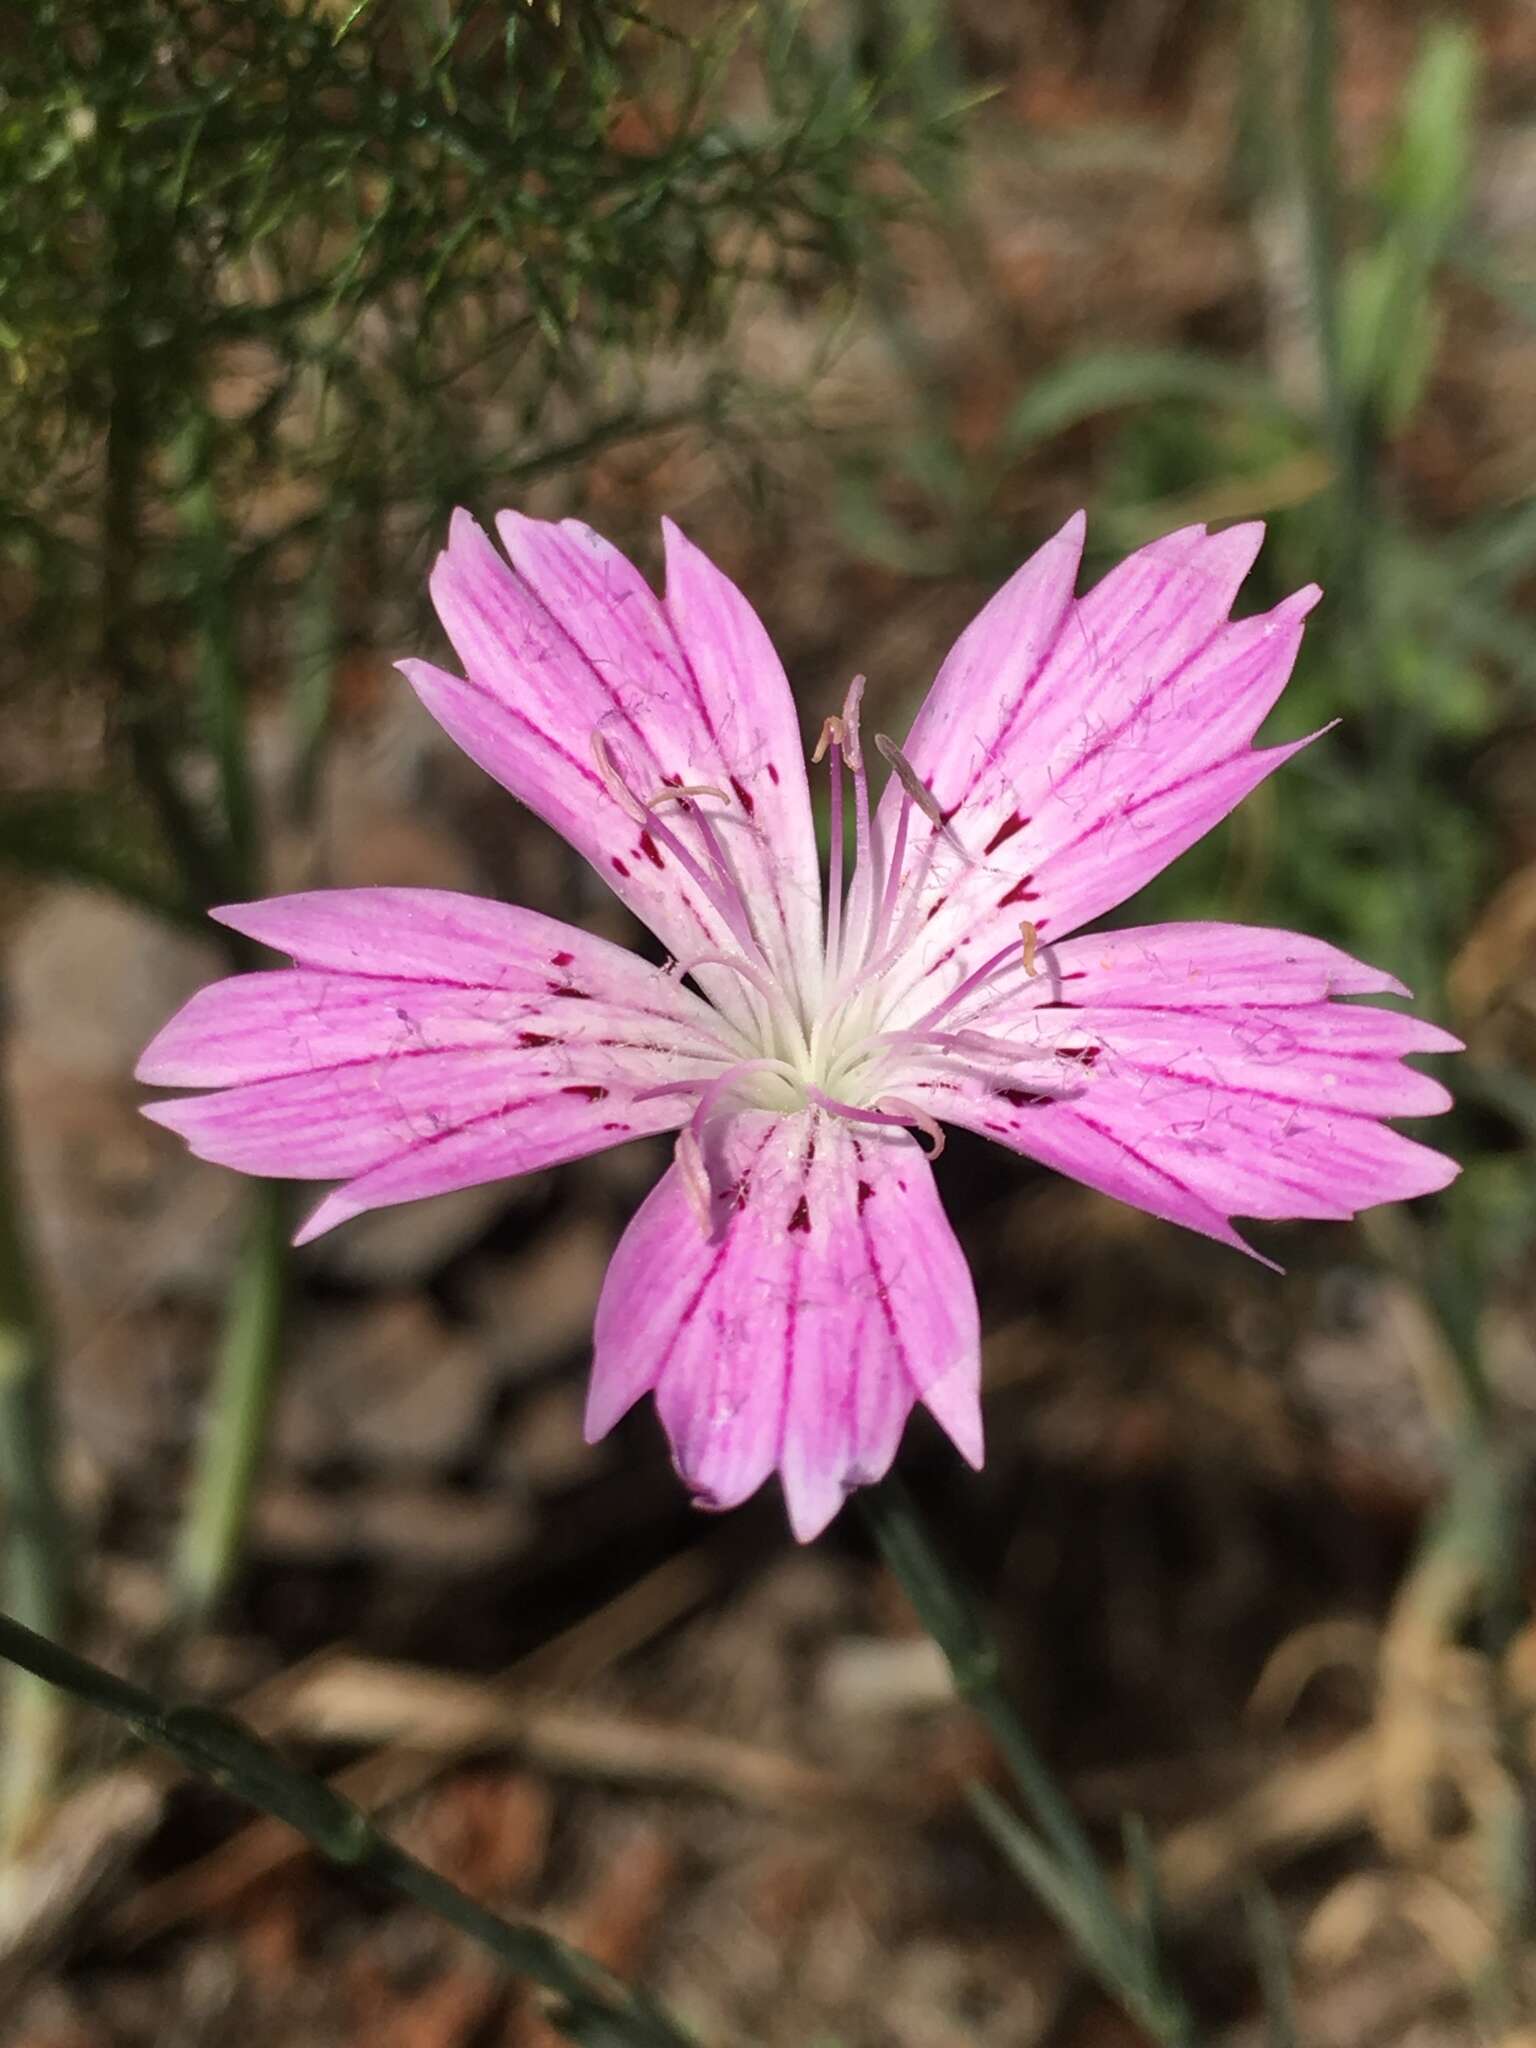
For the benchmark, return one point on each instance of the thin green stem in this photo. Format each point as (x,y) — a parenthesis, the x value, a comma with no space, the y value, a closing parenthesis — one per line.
(37,1548)
(218,1747)
(1055,1857)
(240,1405)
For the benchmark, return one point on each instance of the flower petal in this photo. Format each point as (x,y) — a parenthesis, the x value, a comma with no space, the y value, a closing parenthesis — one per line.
(1117,737)
(1171,966)
(1184,966)
(1200,1072)
(571,642)
(828,1297)
(426,1041)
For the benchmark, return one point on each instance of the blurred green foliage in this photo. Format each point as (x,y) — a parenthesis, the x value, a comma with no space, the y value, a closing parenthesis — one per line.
(271,273)
(1419,648)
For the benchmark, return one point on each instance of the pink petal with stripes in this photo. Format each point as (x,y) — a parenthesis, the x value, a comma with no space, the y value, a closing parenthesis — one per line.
(1106,735)
(1201,1073)
(826,1298)
(569,643)
(1193,965)
(426,1042)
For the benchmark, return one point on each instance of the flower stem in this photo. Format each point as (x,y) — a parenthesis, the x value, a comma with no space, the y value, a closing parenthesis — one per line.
(240,1403)
(37,1547)
(214,1745)
(1055,1856)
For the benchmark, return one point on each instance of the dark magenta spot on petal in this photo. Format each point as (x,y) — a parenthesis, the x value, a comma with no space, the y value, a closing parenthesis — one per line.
(589,1091)
(1022,1099)
(620,869)
(564,988)
(1085,1055)
(773,775)
(534,1038)
(562,959)
(865,1192)
(1011,824)
(801,1220)
(1019,893)
(615,1127)
(743,796)
(651,850)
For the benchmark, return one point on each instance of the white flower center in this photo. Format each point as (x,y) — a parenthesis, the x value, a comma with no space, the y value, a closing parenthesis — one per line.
(834,1049)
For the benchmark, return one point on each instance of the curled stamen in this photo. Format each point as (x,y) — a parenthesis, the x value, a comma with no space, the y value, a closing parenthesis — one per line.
(680,792)
(851,1112)
(676,969)
(831,736)
(932,1131)
(688,1155)
(689,1150)
(614,782)
(720,887)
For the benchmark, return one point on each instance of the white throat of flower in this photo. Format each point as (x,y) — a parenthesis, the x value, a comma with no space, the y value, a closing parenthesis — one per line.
(828,1046)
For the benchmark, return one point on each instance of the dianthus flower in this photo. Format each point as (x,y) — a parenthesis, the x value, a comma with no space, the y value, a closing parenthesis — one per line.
(792,1286)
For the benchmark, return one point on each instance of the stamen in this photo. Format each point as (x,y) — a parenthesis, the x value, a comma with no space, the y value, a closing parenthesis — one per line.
(834,939)
(851,1112)
(932,1131)
(614,782)
(981,1043)
(911,782)
(720,889)
(849,736)
(865,875)
(680,792)
(973,981)
(1031,936)
(689,1158)
(689,1150)
(831,736)
(896,942)
(676,969)
(892,873)
(885,944)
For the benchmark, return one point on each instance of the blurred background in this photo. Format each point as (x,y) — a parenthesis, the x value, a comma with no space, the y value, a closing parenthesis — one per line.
(868,295)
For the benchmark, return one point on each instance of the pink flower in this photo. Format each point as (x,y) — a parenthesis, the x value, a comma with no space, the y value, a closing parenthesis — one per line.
(791,1287)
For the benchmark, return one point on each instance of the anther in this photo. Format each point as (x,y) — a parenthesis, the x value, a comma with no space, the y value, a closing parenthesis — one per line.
(679,792)
(932,1131)
(831,736)
(614,782)
(908,777)
(1030,934)
(689,1155)
(852,753)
